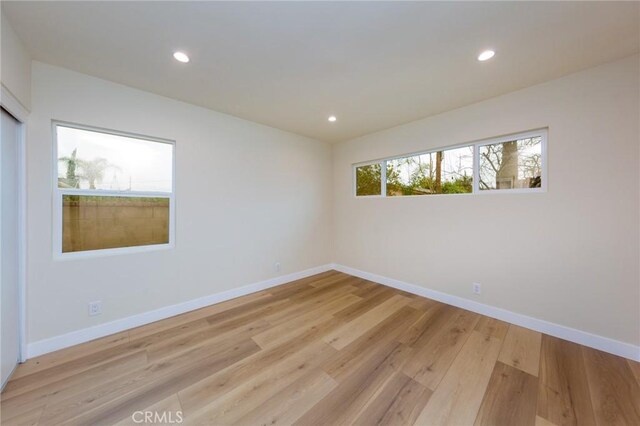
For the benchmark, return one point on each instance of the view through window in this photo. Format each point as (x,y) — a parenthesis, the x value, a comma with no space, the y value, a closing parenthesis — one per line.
(441,172)
(510,165)
(369,180)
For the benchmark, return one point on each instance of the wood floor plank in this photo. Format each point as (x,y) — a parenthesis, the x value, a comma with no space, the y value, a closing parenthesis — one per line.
(398,403)
(292,402)
(320,304)
(492,327)
(275,336)
(457,399)
(328,291)
(357,327)
(428,325)
(422,304)
(510,399)
(563,390)
(541,421)
(365,285)
(198,314)
(429,363)
(284,331)
(331,281)
(369,344)
(293,290)
(372,292)
(27,418)
(232,405)
(169,411)
(52,393)
(247,311)
(370,298)
(352,396)
(615,394)
(210,388)
(62,371)
(287,289)
(635,368)
(62,356)
(77,365)
(118,399)
(227,331)
(521,349)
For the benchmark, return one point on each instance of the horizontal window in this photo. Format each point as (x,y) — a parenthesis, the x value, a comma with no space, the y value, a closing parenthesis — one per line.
(513,163)
(113,191)
(98,222)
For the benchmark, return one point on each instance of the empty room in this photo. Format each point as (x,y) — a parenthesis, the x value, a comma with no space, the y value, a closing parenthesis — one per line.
(320,213)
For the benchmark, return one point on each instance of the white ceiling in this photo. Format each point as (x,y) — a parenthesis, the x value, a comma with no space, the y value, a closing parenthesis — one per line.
(292,64)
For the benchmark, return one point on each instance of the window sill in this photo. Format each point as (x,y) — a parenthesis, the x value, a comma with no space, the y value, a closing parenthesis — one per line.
(77,255)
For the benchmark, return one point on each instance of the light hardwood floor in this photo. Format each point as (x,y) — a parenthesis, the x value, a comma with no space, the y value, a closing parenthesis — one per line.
(327,350)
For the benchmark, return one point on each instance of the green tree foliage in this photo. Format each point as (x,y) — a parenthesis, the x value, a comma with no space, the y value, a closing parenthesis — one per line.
(93,170)
(425,178)
(71,180)
(394,183)
(368,180)
(90,170)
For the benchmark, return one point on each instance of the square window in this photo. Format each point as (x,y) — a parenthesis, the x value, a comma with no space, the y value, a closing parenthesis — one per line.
(113,191)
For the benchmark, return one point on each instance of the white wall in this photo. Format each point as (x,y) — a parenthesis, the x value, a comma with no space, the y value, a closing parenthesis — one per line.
(569,256)
(247,196)
(15,67)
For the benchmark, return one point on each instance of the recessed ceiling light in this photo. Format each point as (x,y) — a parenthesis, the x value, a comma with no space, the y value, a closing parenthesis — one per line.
(487,54)
(181,57)
(332,118)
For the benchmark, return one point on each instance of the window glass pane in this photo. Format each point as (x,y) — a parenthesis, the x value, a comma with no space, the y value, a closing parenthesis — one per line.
(97,222)
(510,165)
(442,172)
(95,160)
(369,180)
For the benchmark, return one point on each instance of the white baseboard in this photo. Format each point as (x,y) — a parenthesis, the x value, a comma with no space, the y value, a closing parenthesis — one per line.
(6,380)
(605,344)
(42,347)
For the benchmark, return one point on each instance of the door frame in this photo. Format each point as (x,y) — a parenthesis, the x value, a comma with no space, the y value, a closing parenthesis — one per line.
(14,107)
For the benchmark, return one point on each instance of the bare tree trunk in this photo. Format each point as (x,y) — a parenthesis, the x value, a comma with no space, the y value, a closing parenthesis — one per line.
(507,175)
(439,172)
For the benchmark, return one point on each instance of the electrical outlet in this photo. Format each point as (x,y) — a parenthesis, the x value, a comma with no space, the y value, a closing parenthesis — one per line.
(95,308)
(477,288)
(277,266)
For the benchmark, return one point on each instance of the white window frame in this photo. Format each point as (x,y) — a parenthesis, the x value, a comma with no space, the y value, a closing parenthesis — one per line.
(542,133)
(58,194)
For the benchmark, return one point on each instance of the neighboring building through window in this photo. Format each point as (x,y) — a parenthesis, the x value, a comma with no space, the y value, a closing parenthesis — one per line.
(113,190)
(515,163)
